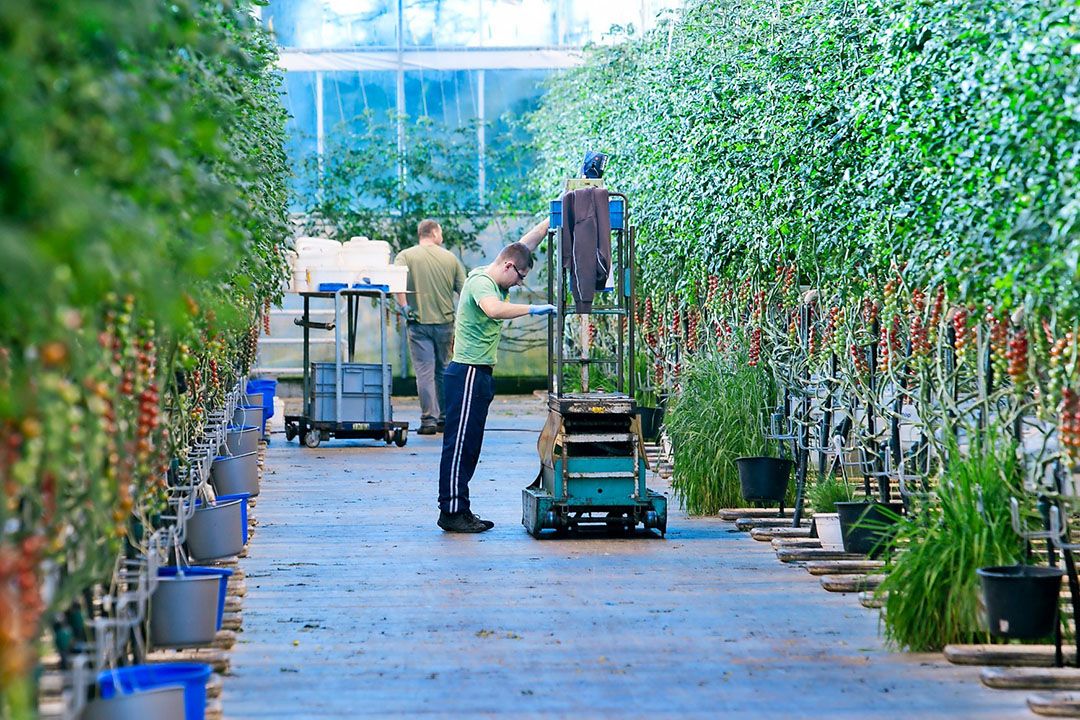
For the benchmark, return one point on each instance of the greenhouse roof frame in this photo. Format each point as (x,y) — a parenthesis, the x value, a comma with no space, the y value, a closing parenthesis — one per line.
(428,59)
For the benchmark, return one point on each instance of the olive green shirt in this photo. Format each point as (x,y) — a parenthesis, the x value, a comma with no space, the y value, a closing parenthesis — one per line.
(435,274)
(476,336)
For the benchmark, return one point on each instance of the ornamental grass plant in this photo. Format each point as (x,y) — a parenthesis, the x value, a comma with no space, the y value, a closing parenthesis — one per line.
(826,491)
(716,418)
(931,591)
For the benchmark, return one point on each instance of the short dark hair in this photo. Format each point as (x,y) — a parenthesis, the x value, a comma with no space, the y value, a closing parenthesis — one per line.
(427,227)
(518,254)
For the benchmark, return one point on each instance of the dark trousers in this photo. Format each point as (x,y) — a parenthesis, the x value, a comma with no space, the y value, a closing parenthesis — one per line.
(429,346)
(469,390)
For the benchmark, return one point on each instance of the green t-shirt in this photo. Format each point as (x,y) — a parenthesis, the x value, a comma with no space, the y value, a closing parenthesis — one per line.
(435,274)
(476,336)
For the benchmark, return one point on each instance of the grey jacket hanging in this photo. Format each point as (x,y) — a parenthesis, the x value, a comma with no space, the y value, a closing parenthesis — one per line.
(586,247)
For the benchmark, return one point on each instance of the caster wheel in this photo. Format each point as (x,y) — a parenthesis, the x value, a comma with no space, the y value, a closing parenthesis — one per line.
(312,439)
(290,433)
(401,437)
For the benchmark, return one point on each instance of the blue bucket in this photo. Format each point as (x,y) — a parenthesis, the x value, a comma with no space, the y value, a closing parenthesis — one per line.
(267,388)
(223,573)
(193,676)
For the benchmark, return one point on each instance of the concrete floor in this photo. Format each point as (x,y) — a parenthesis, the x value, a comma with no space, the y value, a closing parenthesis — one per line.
(358,605)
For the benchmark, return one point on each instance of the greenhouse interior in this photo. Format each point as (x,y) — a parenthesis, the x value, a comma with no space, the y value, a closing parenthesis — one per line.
(701,304)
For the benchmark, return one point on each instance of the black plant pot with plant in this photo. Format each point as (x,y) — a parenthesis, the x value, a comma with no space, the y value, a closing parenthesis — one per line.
(1021,600)
(867,527)
(764,479)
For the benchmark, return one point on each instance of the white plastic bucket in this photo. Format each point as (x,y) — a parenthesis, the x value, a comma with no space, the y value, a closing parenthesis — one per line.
(315,245)
(361,252)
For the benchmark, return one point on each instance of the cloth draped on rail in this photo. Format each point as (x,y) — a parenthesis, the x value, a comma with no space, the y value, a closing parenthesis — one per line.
(586,247)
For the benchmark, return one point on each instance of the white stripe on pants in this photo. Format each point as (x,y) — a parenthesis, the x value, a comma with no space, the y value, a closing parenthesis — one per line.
(460,440)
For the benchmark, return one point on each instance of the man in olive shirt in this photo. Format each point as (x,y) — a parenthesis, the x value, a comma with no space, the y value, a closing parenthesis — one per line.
(435,274)
(469,386)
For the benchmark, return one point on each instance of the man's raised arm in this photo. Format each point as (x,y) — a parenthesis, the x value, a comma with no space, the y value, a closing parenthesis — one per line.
(532,238)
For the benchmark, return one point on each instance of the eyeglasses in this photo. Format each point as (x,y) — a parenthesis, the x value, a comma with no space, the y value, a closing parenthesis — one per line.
(521,275)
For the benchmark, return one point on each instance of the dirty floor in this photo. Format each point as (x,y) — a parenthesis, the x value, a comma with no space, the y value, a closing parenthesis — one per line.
(359,606)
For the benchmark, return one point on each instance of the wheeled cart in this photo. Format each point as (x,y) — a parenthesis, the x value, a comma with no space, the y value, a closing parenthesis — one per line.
(592,456)
(343,398)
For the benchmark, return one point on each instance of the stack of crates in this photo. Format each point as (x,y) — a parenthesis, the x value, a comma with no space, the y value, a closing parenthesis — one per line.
(361,392)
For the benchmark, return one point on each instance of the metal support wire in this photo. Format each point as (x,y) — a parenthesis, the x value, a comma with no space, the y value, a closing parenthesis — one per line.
(134,579)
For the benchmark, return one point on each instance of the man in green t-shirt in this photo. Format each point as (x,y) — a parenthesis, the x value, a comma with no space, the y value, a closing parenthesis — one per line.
(469,388)
(435,274)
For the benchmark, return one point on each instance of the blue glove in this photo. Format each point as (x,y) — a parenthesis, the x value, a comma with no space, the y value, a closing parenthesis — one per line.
(408,313)
(542,309)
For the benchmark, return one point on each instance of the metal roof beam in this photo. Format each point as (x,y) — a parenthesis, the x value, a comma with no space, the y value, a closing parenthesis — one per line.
(292,60)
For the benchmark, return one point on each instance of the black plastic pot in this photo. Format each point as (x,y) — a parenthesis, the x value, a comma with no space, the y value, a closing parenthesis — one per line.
(764,479)
(863,525)
(652,419)
(1021,600)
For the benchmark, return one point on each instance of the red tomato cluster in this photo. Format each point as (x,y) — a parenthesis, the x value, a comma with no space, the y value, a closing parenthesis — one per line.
(858,357)
(755,347)
(21,606)
(1017,356)
(1069,426)
(961,331)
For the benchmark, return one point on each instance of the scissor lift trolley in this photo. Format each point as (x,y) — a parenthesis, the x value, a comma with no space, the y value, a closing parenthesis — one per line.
(343,398)
(592,456)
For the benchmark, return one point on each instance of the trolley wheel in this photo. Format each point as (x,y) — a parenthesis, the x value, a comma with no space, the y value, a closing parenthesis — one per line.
(388,437)
(401,437)
(312,438)
(290,432)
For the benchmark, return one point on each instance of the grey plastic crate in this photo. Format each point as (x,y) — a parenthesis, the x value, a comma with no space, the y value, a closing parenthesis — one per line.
(355,377)
(361,393)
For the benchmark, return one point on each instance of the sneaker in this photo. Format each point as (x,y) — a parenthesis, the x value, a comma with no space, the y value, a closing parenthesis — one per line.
(426,430)
(440,426)
(462,522)
(487,523)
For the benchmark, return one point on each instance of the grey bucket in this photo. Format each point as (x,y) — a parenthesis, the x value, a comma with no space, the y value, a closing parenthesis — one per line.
(183,610)
(216,531)
(254,399)
(248,415)
(240,440)
(235,474)
(159,703)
